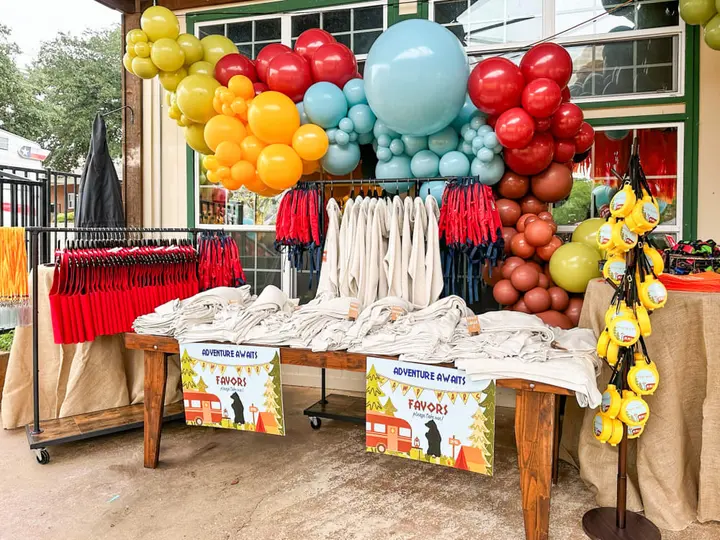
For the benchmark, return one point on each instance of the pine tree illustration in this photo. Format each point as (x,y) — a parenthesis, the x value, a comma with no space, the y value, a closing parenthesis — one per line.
(277,390)
(389,408)
(482,430)
(373,393)
(201,386)
(187,372)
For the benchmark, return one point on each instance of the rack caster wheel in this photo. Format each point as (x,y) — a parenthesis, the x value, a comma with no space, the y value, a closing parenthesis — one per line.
(42,456)
(315,422)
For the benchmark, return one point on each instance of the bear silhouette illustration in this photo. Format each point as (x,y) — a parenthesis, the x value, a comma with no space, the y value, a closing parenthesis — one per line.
(238,408)
(433,439)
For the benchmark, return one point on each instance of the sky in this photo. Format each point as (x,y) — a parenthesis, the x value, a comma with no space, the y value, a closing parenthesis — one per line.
(35,21)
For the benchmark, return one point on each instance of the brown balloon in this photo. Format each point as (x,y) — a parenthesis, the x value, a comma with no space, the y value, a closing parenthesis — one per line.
(504,293)
(521,306)
(532,205)
(524,220)
(573,310)
(491,275)
(507,234)
(547,251)
(520,246)
(513,186)
(538,233)
(543,281)
(509,212)
(536,266)
(510,264)
(553,184)
(547,216)
(559,299)
(524,278)
(537,300)
(555,318)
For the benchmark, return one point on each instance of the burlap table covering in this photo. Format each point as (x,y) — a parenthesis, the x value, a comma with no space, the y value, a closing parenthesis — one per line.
(74,379)
(674,467)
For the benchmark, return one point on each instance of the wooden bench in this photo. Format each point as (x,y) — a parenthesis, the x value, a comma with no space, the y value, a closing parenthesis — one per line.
(536,419)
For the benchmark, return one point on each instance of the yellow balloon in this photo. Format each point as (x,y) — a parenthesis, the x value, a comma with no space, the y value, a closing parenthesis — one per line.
(310,142)
(195,139)
(223,173)
(184,121)
(210,163)
(279,166)
(135,36)
(239,108)
(141,49)
(144,68)
(241,87)
(167,55)
(202,68)
(228,153)
(215,47)
(195,97)
(273,118)
(169,98)
(174,112)
(241,173)
(170,79)
(191,46)
(251,147)
(212,178)
(224,128)
(127,62)
(159,22)
(310,167)
(573,265)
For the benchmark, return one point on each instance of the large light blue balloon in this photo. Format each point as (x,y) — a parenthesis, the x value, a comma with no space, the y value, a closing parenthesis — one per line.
(325,104)
(434,188)
(488,173)
(381,128)
(444,141)
(395,188)
(397,167)
(341,160)
(454,164)
(362,118)
(425,164)
(303,115)
(466,113)
(354,91)
(416,77)
(414,144)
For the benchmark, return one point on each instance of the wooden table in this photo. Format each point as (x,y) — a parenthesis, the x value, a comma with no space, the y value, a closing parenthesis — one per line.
(536,419)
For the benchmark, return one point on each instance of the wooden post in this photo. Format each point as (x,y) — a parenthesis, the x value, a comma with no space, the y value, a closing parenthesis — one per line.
(132,135)
(155,380)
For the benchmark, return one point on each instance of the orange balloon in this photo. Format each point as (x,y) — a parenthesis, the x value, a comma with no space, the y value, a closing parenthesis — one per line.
(212,177)
(242,172)
(228,153)
(223,173)
(310,142)
(210,163)
(279,166)
(310,167)
(270,192)
(273,118)
(256,185)
(251,148)
(241,86)
(217,104)
(223,128)
(239,107)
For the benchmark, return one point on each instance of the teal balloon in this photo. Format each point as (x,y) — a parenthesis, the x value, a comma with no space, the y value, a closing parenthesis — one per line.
(697,11)
(435,188)
(397,167)
(353,136)
(443,141)
(395,188)
(425,164)
(490,140)
(413,145)
(381,128)
(354,91)
(331,134)
(416,77)
(477,143)
(346,125)
(397,147)
(484,130)
(488,173)
(467,111)
(384,154)
(454,164)
(303,115)
(477,121)
(325,104)
(342,137)
(384,140)
(485,155)
(341,160)
(497,149)
(466,148)
(470,134)
(362,117)
(365,138)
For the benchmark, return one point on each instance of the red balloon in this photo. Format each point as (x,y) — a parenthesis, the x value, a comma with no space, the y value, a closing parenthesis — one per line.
(584,138)
(311,40)
(260,88)
(509,211)
(566,121)
(547,61)
(566,95)
(357,75)
(541,98)
(515,128)
(267,53)
(574,309)
(289,74)
(542,124)
(507,234)
(532,159)
(492,120)
(553,184)
(333,63)
(513,186)
(504,292)
(495,85)
(564,150)
(555,318)
(234,64)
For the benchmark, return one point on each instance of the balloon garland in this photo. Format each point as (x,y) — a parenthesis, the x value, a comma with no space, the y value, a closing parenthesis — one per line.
(705,14)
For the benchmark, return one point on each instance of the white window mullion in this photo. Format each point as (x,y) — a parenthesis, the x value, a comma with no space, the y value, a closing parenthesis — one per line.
(286,29)
(548,18)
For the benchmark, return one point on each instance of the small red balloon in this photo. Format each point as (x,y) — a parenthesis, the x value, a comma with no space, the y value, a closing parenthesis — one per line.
(574,309)
(289,74)
(532,205)
(524,278)
(509,211)
(311,40)
(538,233)
(544,281)
(520,247)
(504,293)
(333,63)
(542,124)
(260,87)
(537,300)
(521,306)
(524,221)
(513,186)
(234,64)
(510,264)
(534,158)
(547,61)
(584,138)
(495,85)
(541,98)
(492,120)
(566,121)
(267,53)
(507,234)
(555,318)
(545,252)
(515,128)
(564,150)
(553,184)
(559,298)
(566,97)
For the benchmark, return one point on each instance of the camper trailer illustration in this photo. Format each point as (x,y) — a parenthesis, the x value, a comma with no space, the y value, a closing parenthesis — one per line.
(202,408)
(385,432)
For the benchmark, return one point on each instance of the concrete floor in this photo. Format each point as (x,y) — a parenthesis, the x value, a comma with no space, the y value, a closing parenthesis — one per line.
(220,484)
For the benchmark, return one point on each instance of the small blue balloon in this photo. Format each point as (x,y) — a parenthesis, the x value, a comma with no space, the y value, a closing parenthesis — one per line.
(341,160)
(414,144)
(397,167)
(477,143)
(384,154)
(484,130)
(464,129)
(381,128)
(466,148)
(435,189)
(331,134)
(395,188)
(346,125)
(444,141)
(490,140)
(488,173)
(365,138)
(498,149)
(485,155)
(466,113)
(384,140)
(454,164)
(354,91)
(303,115)
(397,147)
(362,118)
(477,122)
(342,137)
(325,104)
(353,136)
(425,164)
(470,134)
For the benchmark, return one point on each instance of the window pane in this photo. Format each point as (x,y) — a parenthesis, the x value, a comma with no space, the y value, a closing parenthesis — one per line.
(613,16)
(305,291)
(263,279)
(267,29)
(260,46)
(212,30)
(364,40)
(267,256)
(345,39)
(246,49)
(240,32)
(300,23)
(448,12)
(368,18)
(336,21)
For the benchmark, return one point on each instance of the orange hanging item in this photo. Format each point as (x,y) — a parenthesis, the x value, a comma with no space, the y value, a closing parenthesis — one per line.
(14,304)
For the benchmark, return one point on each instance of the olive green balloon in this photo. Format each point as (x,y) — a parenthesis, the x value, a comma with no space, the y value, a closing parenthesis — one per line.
(586,232)
(573,265)
(697,11)
(712,33)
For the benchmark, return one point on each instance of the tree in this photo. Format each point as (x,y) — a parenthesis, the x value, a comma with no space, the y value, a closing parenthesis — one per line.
(373,393)
(187,372)
(277,385)
(389,408)
(201,386)
(482,430)
(271,402)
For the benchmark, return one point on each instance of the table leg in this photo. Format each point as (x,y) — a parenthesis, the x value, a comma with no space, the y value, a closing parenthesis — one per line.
(155,375)
(534,433)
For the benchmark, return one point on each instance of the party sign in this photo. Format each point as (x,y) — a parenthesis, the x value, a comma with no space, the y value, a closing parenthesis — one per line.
(432,414)
(233,387)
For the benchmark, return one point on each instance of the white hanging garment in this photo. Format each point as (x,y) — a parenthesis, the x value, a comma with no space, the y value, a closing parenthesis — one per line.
(392,263)
(377,249)
(345,248)
(406,247)
(433,267)
(329,283)
(416,268)
(353,247)
(359,248)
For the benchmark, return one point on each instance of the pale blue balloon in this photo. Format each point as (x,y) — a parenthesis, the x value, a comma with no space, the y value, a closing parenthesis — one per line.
(488,173)
(466,148)
(491,141)
(325,104)
(485,155)
(362,117)
(397,147)
(397,167)
(381,128)
(354,91)
(365,138)
(464,129)
(331,133)
(416,77)
(466,113)
(342,137)
(303,115)
(414,144)
(353,136)
(384,154)
(477,121)
(425,164)
(384,140)
(454,164)
(395,188)
(470,134)
(346,125)
(434,188)
(498,149)
(443,141)
(477,143)
(484,130)
(341,160)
